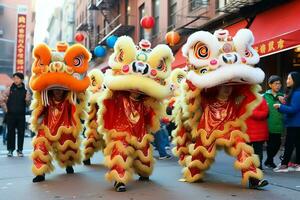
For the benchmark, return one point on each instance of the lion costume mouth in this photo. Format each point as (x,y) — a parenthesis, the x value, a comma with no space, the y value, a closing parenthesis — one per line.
(229,75)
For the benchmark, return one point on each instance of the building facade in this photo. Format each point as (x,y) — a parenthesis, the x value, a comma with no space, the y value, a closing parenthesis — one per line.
(55,28)
(98,19)
(68,21)
(11,29)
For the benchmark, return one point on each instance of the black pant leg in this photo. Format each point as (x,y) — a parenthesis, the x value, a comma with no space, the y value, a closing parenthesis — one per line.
(273,146)
(297,134)
(21,131)
(11,133)
(289,145)
(258,150)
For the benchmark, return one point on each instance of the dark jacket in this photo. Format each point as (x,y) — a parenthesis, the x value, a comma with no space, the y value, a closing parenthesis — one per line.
(16,103)
(292,110)
(275,118)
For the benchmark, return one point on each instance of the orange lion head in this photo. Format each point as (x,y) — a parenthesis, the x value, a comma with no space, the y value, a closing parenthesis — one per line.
(63,68)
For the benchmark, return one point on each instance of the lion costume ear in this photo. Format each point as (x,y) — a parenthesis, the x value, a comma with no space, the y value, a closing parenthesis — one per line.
(96,79)
(43,53)
(177,76)
(78,58)
(124,52)
(42,56)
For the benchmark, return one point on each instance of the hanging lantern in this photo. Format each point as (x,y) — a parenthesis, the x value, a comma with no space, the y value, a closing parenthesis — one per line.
(100,51)
(79,37)
(147,22)
(111,40)
(172,38)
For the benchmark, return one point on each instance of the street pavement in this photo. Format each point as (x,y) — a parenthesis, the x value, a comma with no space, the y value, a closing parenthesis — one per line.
(221,182)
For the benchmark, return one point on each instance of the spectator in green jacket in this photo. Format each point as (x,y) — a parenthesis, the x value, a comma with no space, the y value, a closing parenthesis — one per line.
(275,119)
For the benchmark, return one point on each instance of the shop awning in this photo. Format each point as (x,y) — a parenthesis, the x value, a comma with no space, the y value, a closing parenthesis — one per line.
(275,30)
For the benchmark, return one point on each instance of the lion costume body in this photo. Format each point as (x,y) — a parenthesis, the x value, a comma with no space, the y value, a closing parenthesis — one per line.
(94,140)
(132,107)
(217,97)
(57,120)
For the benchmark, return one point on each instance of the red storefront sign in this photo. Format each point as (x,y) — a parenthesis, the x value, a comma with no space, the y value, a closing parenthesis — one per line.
(20,46)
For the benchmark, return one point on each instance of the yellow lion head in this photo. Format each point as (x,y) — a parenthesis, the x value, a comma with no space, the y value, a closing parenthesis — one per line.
(64,68)
(140,68)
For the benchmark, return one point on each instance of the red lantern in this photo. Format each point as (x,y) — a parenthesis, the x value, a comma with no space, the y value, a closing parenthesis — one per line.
(147,22)
(172,38)
(79,37)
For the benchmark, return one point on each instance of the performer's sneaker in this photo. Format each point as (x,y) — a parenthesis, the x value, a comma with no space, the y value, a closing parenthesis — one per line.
(38,178)
(119,187)
(87,162)
(69,170)
(257,184)
(143,178)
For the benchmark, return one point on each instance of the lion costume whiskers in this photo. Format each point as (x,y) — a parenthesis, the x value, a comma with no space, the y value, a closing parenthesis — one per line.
(217,97)
(132,107)
(58,82)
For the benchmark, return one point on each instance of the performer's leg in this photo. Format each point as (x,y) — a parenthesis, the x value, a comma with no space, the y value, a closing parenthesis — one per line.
(68,151)
(41,157)
(118,158)
(143,163)
(93,143)
(246,161)
(202,156)
(182,141)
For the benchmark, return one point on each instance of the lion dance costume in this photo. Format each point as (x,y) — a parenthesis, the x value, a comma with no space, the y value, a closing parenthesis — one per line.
(94,140)
(58,82)
(132,107)
(218,95)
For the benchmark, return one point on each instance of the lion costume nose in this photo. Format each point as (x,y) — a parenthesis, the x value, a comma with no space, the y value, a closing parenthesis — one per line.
(230,58)
(140,67)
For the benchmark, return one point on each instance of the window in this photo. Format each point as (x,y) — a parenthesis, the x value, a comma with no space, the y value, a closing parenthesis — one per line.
(172,14)
(142,14)
(155,11)
(195,4)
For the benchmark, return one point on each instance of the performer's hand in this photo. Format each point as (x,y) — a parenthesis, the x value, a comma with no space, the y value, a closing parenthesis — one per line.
(276,105)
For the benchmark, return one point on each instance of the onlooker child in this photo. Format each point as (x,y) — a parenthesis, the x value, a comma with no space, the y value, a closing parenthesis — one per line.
(257,128)
(275,119)
(292,122)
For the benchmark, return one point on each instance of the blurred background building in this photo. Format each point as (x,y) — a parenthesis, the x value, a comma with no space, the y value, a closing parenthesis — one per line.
(274,24)
(11,42)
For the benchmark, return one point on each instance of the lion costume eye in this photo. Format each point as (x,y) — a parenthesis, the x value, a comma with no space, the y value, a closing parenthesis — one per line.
(201,51)
(203,70)
(162,65)
(248,53)
(78,61)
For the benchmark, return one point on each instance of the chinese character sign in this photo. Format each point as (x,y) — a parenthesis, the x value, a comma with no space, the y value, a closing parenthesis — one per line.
(20,46)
